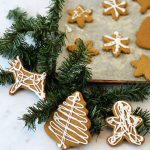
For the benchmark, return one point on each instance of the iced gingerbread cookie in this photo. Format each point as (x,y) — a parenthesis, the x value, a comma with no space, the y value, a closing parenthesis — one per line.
(80,16)
(145,5)
(143,34)
(116,8)
(69,126)
(142,67)
(124,125)
(27,80)
(90,47)
(116,44)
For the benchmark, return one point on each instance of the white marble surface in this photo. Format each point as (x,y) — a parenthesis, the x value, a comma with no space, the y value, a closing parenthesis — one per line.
(13,135)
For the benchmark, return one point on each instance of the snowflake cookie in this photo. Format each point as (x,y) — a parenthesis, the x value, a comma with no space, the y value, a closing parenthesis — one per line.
(27,80)
(80,16)
(124,125)
(142,67)
(116,44)
(115,8)
(69,125)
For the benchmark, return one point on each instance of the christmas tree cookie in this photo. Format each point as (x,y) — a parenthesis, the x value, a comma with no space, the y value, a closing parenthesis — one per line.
(124,125)
(27,80)
(69,126)
(116,8)
(116,44)
(80,15)
(142,67)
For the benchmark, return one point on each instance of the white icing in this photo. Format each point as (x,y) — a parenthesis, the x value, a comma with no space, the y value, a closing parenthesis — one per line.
(24,78)
(124,124)
(68,28)
(60,126)
(79,11)
(117,42)
(116,7)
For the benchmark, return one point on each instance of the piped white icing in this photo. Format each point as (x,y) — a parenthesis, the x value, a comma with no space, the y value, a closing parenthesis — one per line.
(113,5)
(60,126)
(31,81)
(79,11)
(124,124)
(116,42)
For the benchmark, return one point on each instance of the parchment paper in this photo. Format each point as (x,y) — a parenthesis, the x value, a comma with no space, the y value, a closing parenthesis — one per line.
(106,66)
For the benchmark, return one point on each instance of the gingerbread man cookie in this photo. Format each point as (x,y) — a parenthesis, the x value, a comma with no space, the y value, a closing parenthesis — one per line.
(142,67)
(116,44)
(145,5)
(124,125)
(89,44)
(80,16)
(116,8)
(143,34)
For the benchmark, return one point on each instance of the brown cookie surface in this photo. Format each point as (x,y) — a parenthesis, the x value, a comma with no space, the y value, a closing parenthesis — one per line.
(69,126)
(142,67)
(80,15)
(145,5)
(143,34)
(124,125)
(116,8)
(116,43)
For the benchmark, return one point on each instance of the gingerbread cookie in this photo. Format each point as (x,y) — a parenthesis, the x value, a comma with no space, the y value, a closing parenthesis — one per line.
(145,5)
(27,80)
(142,67)
(116,44)
(89,44)
(116,8)
(80,16)
(143,34)
(124,125)
(69,126)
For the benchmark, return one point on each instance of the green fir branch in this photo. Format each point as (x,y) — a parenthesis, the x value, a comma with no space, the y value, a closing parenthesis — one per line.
(144,128)
(6,77)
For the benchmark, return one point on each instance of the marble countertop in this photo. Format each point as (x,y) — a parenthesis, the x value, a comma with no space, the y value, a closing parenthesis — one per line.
(13,135)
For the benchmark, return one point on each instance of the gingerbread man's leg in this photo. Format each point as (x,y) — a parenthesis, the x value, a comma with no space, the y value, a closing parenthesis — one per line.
(115,139)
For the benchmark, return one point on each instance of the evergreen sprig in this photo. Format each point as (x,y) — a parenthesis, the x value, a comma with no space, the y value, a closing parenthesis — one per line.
(61,88)
(144,128)
(6,77)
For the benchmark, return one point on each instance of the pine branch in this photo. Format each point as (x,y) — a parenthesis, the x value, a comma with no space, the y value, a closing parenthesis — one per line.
(100,101)
(6,77)
(74,71)
(58,92)
(145,115)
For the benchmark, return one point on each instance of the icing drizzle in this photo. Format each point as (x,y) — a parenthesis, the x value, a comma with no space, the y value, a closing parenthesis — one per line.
(124,124)
(79,11)
(24,78)
(61,127)
(116,7)
(116,42)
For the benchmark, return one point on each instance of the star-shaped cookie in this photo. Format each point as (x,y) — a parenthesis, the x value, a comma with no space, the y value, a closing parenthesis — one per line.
(80,16)
(116,8)
(90,47)
(116,43)
(142,67)
(124,125)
